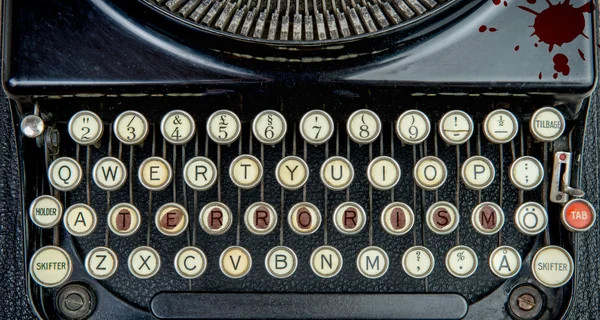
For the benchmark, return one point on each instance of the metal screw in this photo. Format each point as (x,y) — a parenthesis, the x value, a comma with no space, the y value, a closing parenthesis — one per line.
(526,302)
(76,301)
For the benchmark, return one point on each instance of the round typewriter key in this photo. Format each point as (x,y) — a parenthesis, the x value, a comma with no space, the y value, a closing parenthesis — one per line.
(418,262)
(200,173)
(223,127)
(171,219)
(413,127)
(246,171)
(456,127)
(372,262)
(85,127)
(397,218)
(178,127)
(505,262)
(155,173)
(442,217)
(292,173)
(526,173)
(364,126)
(487,218)
(131,127)
(500,126)
(461,261)
(45,211)
(109,173)
(144,262)
(260,218)
(478,172)
(32,126)
(101,263)
(552,266)
(430,173)
(304,218)
(215,218)
(124,219)
(269,127)
(383,173)
(50,266)
(547,124)
(578,215)
(337,173)
(190,262)
(65,174)
(316,127)
(281,262)
(235,262)
(531,218)
(349,218)
(80,220)
(326,261)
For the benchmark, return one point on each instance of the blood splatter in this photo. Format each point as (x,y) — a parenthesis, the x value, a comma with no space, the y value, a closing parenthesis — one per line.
(581,54)
(561,64)
(531,1)
(505,4)
(555,76)
(493,29)
(517,48)
(496,2)
(535,45)
(559,23)
(482,28)
(540,76)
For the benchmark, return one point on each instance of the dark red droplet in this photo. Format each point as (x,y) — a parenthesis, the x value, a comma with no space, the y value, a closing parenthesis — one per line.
(493,29)
(555,76)
(496,2)
(536,45)
(531,1)
(581,54)
(561,64)
(540,76)
(562,157)
(505,4)
(483,28)
(517,48)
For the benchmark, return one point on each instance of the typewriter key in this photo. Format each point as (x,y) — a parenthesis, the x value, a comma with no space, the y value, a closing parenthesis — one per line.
(124,219)
(45,211)
(413,127)
(461,261)
(223,127)
(246,171)
(349,218)
(552,266)
(235,262)
(65,174)
(456,127)
(178,127)
(109,173)
(50,266)
(80,220)
(304,218)
(101,263)
(260,218)
(326,261)
(363,126)
(144,262)
(418,262)
(281,262)
(442,217)
(85,127)
(487,218)
(337,173)
(430,173)
(131,127)
(316,127)
(547,124)
(526,173)
(171,219)
(477,172)
(200,173)
(372,262)
(215,218)
(500,126)
(578,215)
(505,262)
(531,218)
(269,127)
(155,173)
(383,173)
(292,172)
(190,262)
(397,218)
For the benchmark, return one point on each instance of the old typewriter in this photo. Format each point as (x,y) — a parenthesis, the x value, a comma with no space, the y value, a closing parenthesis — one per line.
(300,159)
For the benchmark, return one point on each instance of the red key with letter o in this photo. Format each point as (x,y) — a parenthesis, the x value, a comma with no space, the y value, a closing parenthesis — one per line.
(578,215)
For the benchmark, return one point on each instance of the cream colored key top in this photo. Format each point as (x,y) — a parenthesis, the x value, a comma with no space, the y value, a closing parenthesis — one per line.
(235,262)
(65,174)
(45,211)
(190,262)
(85,128)
(316,127)
(478,172)
(131,127)
(418,262)
(461,261)
(337,173)
(260,218)
(124,219)
(526,173)
(269,127)
(487,218)
(552,266)
(101,263)
(178,127)
(304,218)
(372,262)
(456,127)
(413,127)
(547,124)
(326,261)
(80,220)
(505,262)
(50,266)
(397,218)
(442,217)
(246,171)
(109,173)
(531,218)
(430,173)
(292,172)
(171,219)
(144,262)
(281,262)
(363,126)
(200,173)
(155,173)
(383,173)
(500,126)
(349,218)
(223,127)
(215,218)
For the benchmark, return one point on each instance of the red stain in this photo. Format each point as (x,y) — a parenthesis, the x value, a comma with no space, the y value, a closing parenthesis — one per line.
(493,29)
(540,76)
(535,45)
(531,1)
(482,28)
(505,4)
(581,54)
(517,48)
(555,76)
(561,64)
(560,23)
(496,2)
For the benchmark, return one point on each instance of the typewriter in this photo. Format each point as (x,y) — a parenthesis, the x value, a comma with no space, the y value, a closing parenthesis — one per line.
(301,159)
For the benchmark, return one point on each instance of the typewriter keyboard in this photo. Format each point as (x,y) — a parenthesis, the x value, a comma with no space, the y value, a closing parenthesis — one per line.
(320,202)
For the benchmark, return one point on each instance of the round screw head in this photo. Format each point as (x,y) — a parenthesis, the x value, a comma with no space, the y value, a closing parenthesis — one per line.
(76,301)
(526,302)
(32,126)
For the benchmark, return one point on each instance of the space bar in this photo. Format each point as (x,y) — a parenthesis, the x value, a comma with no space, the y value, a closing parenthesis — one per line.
(189,305)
